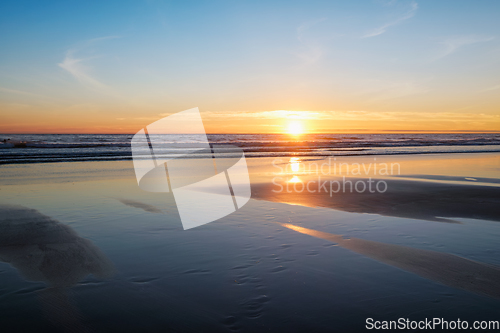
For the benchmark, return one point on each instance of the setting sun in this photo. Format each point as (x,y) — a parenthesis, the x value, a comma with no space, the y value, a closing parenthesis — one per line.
(295,128)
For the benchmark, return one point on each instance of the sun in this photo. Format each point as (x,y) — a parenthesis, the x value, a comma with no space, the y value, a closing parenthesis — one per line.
(295,128)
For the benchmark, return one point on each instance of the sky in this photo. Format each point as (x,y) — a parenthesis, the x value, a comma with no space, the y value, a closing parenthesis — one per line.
(250,66)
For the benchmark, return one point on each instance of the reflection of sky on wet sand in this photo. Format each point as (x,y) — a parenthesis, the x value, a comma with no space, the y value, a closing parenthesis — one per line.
(243,271)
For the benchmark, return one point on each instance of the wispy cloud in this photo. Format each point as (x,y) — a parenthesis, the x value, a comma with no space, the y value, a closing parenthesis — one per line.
(345,115)
(19,92)
(306,26)
(76,68)
(75,65)
(453,44)
(384,89)
(26,93)
(380,30)
(497,87)
(382,120)
(313,50)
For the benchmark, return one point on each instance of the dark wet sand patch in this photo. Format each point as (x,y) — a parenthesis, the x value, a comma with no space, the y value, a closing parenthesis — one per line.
(141,205)
(43,249)
(423,200)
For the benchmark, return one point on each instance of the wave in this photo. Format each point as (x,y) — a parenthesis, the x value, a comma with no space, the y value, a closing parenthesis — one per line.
(88,147)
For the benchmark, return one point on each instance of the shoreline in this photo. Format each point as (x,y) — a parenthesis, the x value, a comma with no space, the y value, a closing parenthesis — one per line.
(248,155)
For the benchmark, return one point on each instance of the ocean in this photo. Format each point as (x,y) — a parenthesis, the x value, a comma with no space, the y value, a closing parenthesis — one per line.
(36,148)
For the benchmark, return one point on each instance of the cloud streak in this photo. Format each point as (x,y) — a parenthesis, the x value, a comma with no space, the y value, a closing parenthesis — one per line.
(497,87)
(351,115)
(451,45)
(26,93)
(380,30)
(313,50)
(306,26)
(76,65)
(19,92)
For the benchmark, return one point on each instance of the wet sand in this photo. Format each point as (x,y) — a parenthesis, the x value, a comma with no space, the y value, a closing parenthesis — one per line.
(404,198)
(82,243)
(447,187)
(445,268)
(43,249)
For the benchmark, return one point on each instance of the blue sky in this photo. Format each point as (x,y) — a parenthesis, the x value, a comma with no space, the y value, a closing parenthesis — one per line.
(121,58)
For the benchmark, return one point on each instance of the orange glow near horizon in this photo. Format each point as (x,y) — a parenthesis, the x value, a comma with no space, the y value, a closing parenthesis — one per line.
(86,120)
(289,75)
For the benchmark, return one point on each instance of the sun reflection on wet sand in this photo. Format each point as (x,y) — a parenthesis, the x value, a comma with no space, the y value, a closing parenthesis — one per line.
(448,269)
(295,164)
(421,191)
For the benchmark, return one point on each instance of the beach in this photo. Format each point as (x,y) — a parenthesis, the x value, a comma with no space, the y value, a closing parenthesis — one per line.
(83,248)
(249,166)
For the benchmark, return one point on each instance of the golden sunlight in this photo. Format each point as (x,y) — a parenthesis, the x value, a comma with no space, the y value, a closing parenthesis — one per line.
(295,164)
(295,128)
(295,179)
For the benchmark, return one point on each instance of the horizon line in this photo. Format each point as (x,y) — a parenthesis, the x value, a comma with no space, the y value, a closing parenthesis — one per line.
(276,133)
